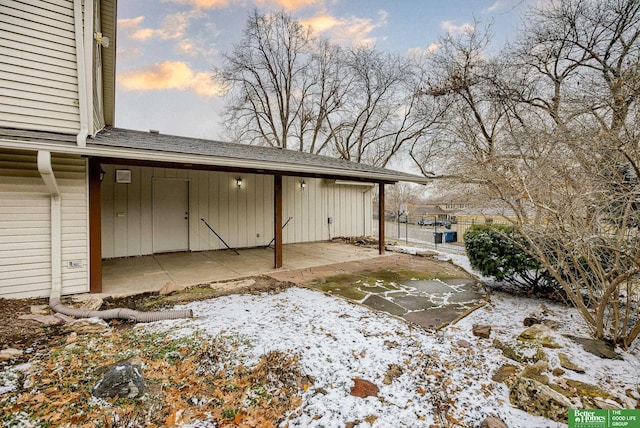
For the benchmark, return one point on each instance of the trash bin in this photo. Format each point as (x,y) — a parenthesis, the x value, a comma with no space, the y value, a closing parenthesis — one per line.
(437,237)
(450,236)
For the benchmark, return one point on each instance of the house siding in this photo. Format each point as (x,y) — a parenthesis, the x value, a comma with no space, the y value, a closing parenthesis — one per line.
(243,217)
(25,225)
(38,72)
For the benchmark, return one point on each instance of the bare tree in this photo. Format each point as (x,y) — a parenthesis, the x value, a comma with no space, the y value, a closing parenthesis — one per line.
(551,131)
(267,75)
(288,89)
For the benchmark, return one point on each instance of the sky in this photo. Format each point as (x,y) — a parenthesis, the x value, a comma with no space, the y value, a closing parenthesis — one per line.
(167,49)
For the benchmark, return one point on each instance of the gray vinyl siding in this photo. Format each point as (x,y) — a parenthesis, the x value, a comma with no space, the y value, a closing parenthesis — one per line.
(25,225)
(38,72)
(242,217)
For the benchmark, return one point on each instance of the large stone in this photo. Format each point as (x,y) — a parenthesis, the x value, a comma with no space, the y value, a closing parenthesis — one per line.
(482,331)
(541,334)
(42,319)
(534,371)
(123,380)
(504,373)
(10,353)
(88,302)
(493,422)
(538,399)
(363,388)
(521,352)
(597,347)
(394,372)
(40,310)
(88,326)
(565,362)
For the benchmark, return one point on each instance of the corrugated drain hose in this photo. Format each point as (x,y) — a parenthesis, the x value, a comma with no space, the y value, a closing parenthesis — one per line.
(120,313)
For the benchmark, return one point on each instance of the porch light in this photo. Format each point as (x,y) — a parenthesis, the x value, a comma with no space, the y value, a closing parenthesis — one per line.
(303,184)
(102,174)
(239,182)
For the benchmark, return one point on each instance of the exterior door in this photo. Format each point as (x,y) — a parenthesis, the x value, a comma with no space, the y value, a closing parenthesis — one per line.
(170,215)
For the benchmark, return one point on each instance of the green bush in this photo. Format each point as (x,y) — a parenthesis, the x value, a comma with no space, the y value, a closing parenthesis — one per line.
(498,252)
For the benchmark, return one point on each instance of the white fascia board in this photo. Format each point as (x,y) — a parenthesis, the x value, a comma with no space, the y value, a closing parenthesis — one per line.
(204,160)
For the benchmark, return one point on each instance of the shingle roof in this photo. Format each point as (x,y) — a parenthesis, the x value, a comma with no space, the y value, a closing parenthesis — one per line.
(241,155)
(123,144)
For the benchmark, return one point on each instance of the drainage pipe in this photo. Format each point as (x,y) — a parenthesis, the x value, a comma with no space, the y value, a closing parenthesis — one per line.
(46,172)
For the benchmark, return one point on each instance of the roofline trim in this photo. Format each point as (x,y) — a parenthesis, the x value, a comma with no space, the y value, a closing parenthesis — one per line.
(96,150)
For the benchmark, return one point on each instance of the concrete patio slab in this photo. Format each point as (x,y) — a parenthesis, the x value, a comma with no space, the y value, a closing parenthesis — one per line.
(134,275)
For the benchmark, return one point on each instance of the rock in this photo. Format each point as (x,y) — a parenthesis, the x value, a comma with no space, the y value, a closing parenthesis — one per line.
(521,352)
(558,372)
(534,371)
(88,302)
(123,380)
(505,372)
(600,403)
(529,321)
(565,362)
(88,326)
(363,388)
(597,347)
(43,319)
(482,331)
(463,343)
(169,288)
(73,336)
(10,353)
(394,372)
(493,422)
(538,399)
(587,390)
(541,334)
(40,310)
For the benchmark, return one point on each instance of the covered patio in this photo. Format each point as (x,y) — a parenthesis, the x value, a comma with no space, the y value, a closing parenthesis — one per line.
(132,275)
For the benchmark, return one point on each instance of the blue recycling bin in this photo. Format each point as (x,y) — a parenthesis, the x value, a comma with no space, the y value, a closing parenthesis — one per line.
(450,236)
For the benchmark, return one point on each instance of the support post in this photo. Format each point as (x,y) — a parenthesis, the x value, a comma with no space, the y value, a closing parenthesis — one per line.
(95,228)
(277,220)
(381,218)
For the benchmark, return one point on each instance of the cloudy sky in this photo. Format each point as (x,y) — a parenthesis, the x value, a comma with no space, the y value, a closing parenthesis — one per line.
(166,49)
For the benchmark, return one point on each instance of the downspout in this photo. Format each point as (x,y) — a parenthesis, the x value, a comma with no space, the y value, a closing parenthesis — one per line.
(82,74)
(46,172)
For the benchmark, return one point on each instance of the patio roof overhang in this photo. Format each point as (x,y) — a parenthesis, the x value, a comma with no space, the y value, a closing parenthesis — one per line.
(119,146)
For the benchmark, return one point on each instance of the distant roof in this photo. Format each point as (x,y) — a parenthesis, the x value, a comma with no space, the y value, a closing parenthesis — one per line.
(128,145)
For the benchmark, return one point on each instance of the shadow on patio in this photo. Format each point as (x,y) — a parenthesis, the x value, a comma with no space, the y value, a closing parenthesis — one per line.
(134,275)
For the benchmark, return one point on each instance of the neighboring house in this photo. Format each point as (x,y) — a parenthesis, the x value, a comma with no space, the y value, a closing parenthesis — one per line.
(75,190)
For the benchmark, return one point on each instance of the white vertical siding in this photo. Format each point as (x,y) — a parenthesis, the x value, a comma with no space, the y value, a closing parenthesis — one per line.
(243,217)
(38,75)
(25,228)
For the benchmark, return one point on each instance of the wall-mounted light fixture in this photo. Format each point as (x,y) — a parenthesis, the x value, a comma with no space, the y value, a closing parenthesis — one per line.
(303,184)
(239,182)
(102,174)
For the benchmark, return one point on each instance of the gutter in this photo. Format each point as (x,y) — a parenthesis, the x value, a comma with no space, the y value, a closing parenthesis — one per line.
(81,138)
(46,172)
(148,155)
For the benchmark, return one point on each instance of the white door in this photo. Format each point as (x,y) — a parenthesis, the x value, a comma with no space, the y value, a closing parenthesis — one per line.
(170,215)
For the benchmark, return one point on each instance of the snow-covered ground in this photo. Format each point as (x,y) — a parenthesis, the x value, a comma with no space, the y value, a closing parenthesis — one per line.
(441,377)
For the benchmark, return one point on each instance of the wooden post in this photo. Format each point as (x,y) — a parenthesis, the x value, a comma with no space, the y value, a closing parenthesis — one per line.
(381,218)
(277,220)
(95,228)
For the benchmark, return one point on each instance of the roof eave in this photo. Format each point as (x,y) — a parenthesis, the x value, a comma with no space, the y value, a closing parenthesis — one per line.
(117,153)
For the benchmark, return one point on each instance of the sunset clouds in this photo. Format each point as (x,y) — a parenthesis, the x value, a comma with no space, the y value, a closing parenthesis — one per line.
(346,31)
(170,75)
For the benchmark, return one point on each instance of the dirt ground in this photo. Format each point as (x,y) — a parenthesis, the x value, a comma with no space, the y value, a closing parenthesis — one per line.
(31,336)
